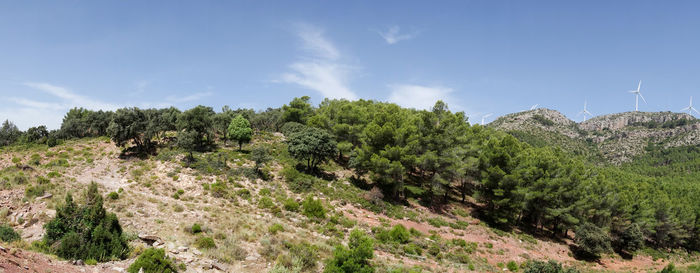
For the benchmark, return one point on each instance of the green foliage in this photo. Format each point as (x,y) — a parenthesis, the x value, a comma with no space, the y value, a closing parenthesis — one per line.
(198,122)
(274,228)
(79,123)
(260,155)
(152,260)
(85,231)
(196,228)
(134,125)
(512,266)
(542,120)
(547,267)
(399,234)
(312,146)
(291,128)
(8,234)
(313,208)
(298,110)
(355,257)
(630,239)
(291,205)
(113,195)
(9,133)
(592,240)
(240,131)
(670,268)
(205,242)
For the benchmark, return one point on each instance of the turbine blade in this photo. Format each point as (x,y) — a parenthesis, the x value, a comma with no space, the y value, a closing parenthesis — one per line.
(696,111)
(687,108)
(639,86)
(640,94)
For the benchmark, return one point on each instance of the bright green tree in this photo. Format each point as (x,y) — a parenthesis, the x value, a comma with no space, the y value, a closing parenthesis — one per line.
(240,131)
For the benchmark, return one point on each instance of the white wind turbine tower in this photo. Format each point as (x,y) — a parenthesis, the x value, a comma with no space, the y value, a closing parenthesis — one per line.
(690,108)
(637,94)
(483,118)
(585,111)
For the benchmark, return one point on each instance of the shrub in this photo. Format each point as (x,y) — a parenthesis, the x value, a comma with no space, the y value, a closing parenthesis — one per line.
(512,266)
(437,222)
(592,240)
(265,203)
(670,268)
(630,239)
(196,228)
(313,208)
(355,257)
(86,231)
(547,267)
(152,260)
(275,228)
(399,234)
(304,255)
(113,195)
(291,205)
(7,234)
(205,243)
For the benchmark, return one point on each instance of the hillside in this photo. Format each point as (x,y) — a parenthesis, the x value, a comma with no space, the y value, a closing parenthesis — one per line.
(359,185)
(617,138)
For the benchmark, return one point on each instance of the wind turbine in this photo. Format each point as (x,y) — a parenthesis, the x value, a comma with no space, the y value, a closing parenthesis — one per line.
(690,108)
(637,94)
(483,118)
(534,106)
(585,111)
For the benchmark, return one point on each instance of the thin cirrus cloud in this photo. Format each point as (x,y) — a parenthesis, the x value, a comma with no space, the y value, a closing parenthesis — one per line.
(320,67)
(419,96)
(393,35)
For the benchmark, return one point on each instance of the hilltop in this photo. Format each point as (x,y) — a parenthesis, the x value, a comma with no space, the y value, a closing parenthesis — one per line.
(616,138)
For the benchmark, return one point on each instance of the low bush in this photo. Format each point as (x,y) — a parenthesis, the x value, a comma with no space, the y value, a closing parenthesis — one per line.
(205,243)
(399,234)
(547,267)
(8,234)
(353,258)
(313,208)
(274,228)
(113,195)
(152,260)
(196,228)
(291,205)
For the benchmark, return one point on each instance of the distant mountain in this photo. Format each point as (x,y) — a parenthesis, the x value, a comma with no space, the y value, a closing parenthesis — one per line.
(615,138)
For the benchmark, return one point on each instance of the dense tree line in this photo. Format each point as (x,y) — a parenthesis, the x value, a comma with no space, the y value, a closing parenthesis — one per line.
(436,154)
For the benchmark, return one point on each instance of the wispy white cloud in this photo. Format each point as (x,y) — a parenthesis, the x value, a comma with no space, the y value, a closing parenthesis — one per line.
(393,35)
(71,99)
(315,43)
(419,96)
(320,68)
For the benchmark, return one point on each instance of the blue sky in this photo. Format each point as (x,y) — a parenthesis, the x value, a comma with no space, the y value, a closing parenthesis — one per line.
(479,56)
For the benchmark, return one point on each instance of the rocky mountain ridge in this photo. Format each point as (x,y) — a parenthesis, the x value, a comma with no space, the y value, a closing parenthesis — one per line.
(615,137)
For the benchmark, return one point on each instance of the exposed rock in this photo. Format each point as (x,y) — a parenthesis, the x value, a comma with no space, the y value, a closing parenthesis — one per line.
(48,195)
(182,249)
(150,239)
